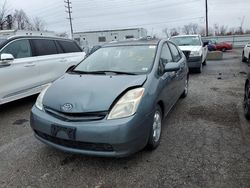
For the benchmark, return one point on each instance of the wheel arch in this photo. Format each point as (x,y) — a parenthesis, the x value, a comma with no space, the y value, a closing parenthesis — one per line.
(161,104)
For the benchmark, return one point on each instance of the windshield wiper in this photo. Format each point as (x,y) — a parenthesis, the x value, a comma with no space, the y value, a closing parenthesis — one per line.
(101,72)
(116,72)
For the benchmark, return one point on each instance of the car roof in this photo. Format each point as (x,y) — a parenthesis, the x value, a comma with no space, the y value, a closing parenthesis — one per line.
(185,36)
(35,37)
(142,41)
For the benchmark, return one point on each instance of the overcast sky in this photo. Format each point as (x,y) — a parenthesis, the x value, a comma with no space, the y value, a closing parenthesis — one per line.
(153,15)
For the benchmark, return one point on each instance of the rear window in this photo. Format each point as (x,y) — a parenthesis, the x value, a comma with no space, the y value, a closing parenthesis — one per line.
(69,46)
(44,47)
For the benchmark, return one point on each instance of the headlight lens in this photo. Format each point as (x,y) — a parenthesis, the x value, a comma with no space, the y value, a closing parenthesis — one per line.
(127,104)
(39,100)
(195,53)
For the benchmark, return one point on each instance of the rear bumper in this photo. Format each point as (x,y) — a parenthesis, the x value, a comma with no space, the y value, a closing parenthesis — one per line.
(194,62)
(106,138)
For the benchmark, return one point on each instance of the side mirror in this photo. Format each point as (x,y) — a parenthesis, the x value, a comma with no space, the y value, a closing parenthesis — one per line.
(171,67)
(6,58)
(205,43)
(71,68)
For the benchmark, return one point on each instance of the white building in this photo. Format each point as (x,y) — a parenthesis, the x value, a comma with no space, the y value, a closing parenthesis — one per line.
(89,39)
(7,33)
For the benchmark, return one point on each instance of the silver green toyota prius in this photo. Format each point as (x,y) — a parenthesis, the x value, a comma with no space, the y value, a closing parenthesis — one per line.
(113,103)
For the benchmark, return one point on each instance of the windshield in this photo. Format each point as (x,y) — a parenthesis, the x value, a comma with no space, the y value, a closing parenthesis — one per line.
(187,41)
(2,41)
(123,59)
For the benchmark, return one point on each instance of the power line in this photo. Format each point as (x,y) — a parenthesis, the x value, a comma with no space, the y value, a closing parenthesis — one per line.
(69,7)
(206,19)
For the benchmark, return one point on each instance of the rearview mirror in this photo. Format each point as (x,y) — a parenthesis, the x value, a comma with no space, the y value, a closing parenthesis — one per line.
(6,58)
(170,67)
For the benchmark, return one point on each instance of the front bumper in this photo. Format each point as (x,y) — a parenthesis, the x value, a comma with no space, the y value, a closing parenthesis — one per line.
(107,138)
(194,62)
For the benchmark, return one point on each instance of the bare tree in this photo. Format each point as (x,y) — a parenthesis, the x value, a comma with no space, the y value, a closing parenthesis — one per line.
(216,29)
(194,28)
(174,32)
(21,20)
(38,24)
(186,29)
(223,30)
(191,28)
(3,13)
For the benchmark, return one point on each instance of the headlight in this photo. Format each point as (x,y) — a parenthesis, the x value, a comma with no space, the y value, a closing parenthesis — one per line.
(39,100)
(195,53)
(127,104)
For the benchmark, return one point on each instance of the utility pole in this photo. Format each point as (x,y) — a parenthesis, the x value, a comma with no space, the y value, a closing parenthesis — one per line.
(206,19)
(69,11)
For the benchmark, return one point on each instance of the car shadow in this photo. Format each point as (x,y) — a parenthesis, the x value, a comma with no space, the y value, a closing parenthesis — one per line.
(18,104)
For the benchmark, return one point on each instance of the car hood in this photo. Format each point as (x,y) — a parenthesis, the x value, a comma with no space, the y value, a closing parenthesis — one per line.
(89,93)
(190,48)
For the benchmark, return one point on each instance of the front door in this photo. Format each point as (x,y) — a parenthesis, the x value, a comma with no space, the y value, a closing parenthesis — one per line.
(19,76)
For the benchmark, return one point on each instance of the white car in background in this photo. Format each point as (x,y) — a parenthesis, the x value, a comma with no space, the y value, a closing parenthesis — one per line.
(246,53)
(30,63)
(198,50)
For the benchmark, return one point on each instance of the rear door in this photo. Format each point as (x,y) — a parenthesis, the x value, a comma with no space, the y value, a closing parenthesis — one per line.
(72,53)
(19,77)
(167,80)
(47,60)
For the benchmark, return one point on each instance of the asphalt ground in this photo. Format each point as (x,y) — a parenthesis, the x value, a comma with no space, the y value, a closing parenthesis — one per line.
(205,143)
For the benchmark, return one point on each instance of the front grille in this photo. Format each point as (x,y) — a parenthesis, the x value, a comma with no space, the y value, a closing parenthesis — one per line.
(76,144)
(90,116)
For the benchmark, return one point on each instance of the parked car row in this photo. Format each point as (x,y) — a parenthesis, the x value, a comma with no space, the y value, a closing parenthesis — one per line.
(110,102)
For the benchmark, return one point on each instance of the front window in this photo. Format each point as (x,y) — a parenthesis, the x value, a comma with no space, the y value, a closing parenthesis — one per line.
(19,49)
(126,59)
(187,41)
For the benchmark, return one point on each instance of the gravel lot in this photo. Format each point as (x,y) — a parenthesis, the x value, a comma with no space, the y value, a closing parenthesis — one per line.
(205,143)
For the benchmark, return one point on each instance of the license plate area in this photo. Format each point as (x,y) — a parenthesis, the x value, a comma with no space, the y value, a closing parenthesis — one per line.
(70,131)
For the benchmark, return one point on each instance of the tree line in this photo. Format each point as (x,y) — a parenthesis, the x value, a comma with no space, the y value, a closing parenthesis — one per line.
(18,19)
(217,30)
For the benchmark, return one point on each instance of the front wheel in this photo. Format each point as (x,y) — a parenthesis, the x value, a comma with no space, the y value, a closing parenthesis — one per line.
(243,59)
(199,70)
(223,49)
(155,132)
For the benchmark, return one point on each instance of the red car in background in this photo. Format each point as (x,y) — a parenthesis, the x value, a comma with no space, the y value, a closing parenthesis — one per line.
(221,46)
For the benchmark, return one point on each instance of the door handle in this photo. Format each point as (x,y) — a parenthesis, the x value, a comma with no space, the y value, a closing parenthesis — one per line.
(29,65)
(63,60)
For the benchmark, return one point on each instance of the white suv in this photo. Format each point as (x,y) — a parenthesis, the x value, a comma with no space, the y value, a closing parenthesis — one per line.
(246,53)
(196,47)
(29,63)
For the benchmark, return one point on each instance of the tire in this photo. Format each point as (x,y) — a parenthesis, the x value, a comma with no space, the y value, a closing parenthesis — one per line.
(198,70)
(205,62)
(243,59)
(246,103)
(248,61)
(185,92)
(155,131)
(223,49)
